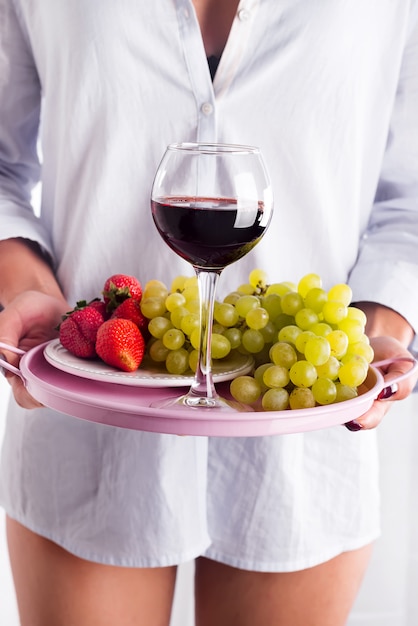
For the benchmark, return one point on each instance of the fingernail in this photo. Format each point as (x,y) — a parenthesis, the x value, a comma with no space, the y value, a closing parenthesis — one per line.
(388,392)
(353,426)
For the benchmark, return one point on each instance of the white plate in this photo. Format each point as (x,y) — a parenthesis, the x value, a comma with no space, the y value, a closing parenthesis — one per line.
(146,376)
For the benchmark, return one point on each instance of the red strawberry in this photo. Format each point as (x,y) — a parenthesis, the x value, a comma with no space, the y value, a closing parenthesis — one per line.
(119,343)
(100,306)
(118,288)
(130,309)
(78,330)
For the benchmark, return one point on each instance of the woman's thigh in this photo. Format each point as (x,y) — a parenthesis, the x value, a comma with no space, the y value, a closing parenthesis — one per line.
(55,588)
(318,596)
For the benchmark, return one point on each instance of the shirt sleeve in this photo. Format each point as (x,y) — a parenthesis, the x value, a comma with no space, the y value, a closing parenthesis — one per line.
(386,270)
(20,97)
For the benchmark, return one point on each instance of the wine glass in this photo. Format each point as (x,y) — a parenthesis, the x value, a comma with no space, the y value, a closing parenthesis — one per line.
(211,203)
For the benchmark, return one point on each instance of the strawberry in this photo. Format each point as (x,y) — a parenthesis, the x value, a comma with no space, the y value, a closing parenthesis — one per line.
(118,288)
(130,309)
(119,343)
(78,330)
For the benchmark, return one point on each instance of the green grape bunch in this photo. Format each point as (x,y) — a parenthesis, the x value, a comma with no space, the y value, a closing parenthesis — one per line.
(308,344)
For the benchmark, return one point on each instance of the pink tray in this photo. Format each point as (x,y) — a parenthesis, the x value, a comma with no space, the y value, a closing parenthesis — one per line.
(129,407)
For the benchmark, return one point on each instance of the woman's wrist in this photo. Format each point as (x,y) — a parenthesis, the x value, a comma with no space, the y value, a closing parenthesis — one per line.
(384,321)
(24,268)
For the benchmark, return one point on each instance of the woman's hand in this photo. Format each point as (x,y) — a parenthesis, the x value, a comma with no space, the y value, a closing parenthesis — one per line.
(28,320)
(390,334)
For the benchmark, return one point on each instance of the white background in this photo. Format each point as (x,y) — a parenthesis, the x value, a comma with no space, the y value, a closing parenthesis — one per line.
(388,596)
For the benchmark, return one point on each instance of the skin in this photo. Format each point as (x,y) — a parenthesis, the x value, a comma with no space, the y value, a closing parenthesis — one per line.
(57,588)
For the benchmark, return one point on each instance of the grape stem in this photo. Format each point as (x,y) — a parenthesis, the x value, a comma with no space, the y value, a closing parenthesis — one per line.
(202,391)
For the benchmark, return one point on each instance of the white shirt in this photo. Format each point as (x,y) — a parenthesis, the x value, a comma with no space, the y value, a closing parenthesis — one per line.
(329,92)
(334,110)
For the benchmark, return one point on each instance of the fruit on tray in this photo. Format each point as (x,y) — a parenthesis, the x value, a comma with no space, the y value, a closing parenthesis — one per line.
(109,328)
(120,343)
(308,343)
(79,327)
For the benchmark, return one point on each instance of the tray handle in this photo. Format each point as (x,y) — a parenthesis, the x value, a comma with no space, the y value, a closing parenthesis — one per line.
(398,379)
(4,363)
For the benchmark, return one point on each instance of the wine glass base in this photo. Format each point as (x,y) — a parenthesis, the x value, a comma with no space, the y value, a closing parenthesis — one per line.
(192,401)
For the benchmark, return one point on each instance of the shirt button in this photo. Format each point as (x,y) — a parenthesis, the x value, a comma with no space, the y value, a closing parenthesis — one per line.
(244,15)
(206,108)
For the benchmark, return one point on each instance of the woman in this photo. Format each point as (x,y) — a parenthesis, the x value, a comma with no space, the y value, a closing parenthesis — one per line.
(98,518)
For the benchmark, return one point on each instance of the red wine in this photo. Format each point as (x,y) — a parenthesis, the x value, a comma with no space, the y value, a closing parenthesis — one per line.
(206,232)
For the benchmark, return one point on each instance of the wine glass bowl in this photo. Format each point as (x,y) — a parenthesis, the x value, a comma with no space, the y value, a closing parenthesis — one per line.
(211,204)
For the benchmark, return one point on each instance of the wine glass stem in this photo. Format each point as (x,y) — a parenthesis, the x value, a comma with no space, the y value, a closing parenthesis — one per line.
(203,384)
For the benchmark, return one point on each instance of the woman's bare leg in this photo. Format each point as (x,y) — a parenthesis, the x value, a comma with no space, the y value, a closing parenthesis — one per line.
(55,588)
(319,596)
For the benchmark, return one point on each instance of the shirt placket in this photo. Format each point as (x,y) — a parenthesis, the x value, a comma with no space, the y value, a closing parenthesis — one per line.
(194,54)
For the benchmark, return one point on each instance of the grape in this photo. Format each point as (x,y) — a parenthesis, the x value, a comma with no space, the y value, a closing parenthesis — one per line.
(315,299)
(174,300)
(317,350)
(303,374)
(195,338)
(189,322)
(245,304)
(289,333)
(340,293)
(259,373)
(234,336)
(220,346)
(324,391)
(193,360)
(177,316)
(193,306)
(232,298)
(269,332)
(159,325)
(153,306)
(302,339)
(246,289)
(226,314)
(329,369)
(177,361)
(257,318)
(352,373)
(155,289)
(334,311)
(275,399)
(272,304)
(276,376)
(301,398)
(191,293)
(245,389)
(357,314)
(338,342)
(178,283)
(252,340)
(173,339)
(292,302)
(279,288)
(283,320)
(361,348)
(191,281)
(345,392)
(321,328)
(308,282)
(282,353)
(305,318)
(258,278)
(158,352)
(352,328)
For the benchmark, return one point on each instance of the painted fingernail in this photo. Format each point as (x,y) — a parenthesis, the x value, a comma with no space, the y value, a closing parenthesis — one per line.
(353,426)
(388,392)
